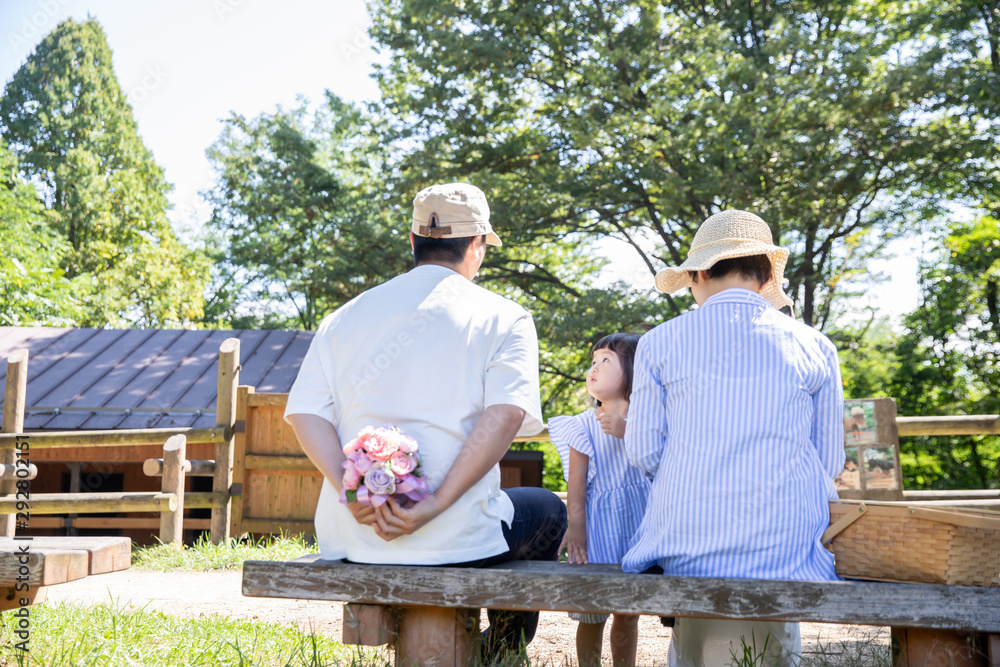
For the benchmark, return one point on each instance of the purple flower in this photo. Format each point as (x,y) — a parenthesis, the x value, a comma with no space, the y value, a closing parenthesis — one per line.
(380,480)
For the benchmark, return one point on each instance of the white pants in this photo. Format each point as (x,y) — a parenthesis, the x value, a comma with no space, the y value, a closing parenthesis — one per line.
(702,642)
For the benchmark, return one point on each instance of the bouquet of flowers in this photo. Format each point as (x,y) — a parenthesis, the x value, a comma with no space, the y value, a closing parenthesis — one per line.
(381,462)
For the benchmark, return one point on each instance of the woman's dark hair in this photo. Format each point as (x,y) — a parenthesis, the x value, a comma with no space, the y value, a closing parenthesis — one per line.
(450,251)
(754,267)
(622,344)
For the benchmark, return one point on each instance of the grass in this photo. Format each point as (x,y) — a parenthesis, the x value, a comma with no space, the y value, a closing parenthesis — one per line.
(204,556)
(106,635)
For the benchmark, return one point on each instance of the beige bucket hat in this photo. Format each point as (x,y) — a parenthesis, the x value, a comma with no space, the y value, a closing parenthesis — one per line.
(451,211)
(723,236)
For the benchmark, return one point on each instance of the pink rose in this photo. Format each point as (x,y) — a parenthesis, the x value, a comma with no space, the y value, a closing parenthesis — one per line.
(381,447)
(362,462)
(380,481)
(402,464)
(352,446)
(352,478)
(406,444)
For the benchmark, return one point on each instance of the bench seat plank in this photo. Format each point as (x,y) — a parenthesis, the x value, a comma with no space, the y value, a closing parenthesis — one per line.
(57,560)
(546,586)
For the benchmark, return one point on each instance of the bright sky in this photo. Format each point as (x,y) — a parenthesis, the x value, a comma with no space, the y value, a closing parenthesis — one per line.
(187,64)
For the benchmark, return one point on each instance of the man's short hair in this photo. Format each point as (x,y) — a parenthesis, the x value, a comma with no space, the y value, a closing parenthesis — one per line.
(448,251)
(754,267)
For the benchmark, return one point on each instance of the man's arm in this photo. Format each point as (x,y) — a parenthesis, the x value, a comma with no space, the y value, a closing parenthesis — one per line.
(487,443)
(320,442)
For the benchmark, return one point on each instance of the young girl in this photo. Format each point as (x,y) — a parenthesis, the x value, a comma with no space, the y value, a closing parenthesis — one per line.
(607,496)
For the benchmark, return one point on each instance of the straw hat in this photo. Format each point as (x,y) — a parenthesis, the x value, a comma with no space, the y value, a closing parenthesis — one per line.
(723,236)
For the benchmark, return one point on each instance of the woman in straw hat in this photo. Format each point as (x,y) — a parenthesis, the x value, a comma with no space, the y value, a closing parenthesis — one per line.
(737,414)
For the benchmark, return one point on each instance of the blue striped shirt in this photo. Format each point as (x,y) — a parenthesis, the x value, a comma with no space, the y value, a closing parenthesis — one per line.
(736,410)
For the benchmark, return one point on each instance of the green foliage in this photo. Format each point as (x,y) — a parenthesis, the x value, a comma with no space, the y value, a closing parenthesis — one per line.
(637,120)
(32,290)
(205,556)
(66,118)
(109,635)
(948,358)
(307,219)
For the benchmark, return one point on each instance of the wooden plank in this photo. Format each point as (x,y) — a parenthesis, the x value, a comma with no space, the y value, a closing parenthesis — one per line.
(243,394)
(133,437)
(957,425)
(225,416)
(11,598)
(277,462)
(268,400)
(113,522)
(80,503)
(196,468)
(172,519)
(13,422)
(548,586)
(56,560)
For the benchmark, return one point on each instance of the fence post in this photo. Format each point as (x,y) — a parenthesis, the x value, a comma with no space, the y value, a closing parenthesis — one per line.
(239,458)
(225,416)
(13,422)
(172,521)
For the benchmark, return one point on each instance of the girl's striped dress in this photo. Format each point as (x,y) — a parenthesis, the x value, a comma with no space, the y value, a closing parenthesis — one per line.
(616,491)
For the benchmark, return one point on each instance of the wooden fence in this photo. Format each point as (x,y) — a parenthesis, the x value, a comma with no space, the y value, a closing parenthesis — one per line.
(16,446)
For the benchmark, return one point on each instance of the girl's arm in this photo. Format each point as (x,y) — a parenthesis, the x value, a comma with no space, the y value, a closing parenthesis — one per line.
(575,540)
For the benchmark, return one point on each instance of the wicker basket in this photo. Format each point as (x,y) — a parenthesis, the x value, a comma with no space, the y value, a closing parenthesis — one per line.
(910,543)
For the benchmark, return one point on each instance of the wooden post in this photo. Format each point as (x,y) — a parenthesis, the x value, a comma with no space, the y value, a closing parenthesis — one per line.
(13,422)
(437,636)
(368,624)
(225,416)
(917,647)
(240,435)
(172,521)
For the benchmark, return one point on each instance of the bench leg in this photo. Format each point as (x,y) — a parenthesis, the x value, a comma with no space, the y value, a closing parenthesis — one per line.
(927,648)
(368,624)
(10,598)
(993,649)
(437,637)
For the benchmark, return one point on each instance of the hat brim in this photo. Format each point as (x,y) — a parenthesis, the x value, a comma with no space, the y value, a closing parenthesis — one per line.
(493,239)
(677,278)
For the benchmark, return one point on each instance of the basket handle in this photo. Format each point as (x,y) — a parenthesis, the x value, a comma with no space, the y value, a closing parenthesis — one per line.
(843,522)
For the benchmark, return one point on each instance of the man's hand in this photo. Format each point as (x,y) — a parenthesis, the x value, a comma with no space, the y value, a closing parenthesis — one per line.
(363,514)
(612,424)
(393,520)
(575,544)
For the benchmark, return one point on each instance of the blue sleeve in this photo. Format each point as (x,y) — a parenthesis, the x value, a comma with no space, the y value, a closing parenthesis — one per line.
(828,414)
(646,428)
(570,433)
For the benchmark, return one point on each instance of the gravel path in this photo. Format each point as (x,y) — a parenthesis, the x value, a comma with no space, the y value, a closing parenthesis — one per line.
(197,594)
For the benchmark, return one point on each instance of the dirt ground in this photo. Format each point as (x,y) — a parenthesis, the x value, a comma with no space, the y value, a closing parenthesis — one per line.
(197,594)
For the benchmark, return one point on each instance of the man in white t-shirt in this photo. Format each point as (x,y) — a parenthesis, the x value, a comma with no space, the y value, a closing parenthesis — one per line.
(454,366)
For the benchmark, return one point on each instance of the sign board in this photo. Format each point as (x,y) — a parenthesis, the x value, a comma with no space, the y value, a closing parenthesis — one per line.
(871,442)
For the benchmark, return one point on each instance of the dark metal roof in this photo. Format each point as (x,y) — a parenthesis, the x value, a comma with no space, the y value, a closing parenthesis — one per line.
(97,379)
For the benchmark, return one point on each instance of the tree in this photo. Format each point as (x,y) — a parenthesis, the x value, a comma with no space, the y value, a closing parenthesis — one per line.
(32,291)
(308,221)
(949,358)
(637,120)
(67,120)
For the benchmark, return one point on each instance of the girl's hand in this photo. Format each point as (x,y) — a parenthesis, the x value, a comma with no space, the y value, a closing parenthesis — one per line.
(575,544)
(612,424)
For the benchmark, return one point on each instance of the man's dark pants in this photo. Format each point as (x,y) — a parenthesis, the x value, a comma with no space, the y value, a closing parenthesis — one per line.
(534,534)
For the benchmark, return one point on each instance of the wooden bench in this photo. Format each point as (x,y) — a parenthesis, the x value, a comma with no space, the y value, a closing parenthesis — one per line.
(432,613)
(29,565)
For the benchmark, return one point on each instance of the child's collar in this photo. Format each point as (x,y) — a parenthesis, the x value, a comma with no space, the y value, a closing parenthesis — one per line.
(737,295)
